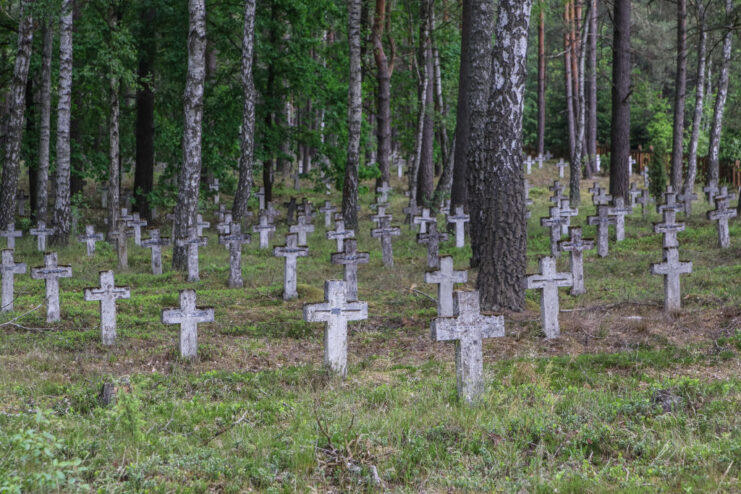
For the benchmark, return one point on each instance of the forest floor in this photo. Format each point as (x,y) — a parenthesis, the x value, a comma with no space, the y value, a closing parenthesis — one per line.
(627,399)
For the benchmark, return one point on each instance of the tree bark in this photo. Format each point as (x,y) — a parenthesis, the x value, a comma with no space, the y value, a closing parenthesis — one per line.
(426,173)
(190,172)
(591,166)
(30,122)
(12,165)
(699,94)
(247,137)
(720,100)
(541,81)
(77,166)
(144,170)
(383,101)
(569,76)
(442,132)
(42,177)
(354,118)
(680,95)
(114,156)
(577,158)
(496,185)
(620,143)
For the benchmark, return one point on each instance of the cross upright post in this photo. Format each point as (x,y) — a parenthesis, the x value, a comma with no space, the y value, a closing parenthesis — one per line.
(445,278)
(548,281)
(339,234)
(459,219)
(234,241)
(90,238)
(385,232)
(188,316)
(264,228)
(432,239)
(350,258)
(9,268)
(107,295)
(302,227)
(603,221)
(671,268)
(192,242)
(155,243)
(291,251)
(11,234)
(51,272)
(41,232)
(577,245)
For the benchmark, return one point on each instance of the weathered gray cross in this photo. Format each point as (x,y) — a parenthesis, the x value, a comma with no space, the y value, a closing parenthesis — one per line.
(336,311)
(634,192)
(529,164)
(557,190)
(291,251)
(711,190)
(671,268)
(459,219)
(380,214)
(11,234)
(540,160)
(271,212)
(561,165)
(328,209)
(41,232)
(410,212)
(155,242)
(261,198)
(383,190)
(188,316)
(339,234)
(644,174)
(107,295)
(670,201)
(445,278)
(192,242)
(90,237)
(121,236)
(51,272)
(104,197)
(234,241)
(9,269)
(264,228)
(222,227)
(306,209)
(722,214)
(577,245)
(631,162)
(385,232)
(603,221)
(566,212)
(686,198)
(350,258)
(214,187)
(548,282)
(644,200)
(291,207)
(468,328)
(619,211)
(424,220)
(669,228)
(554,222)
(201,224)
(125,213)
(21,199)
(302,227)
(599,196)
(136,223)
(220,214)
(432,239)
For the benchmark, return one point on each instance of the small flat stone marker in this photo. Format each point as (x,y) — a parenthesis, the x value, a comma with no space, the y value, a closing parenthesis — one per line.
(192,242)
(11,234)
(383,192)
(328,209)
(459,219)
(619,211)
(548,282)
(445,278)
(9,268)
(671,268)
(339,234)
(155,242)
(577,245)
(90,237)
(554,222)
(41,232)
(136,223)
(722,214)
(432,239)
(669,228)
(264,228)
(51,272)
(350,258)
(385,232)
(188,316)
(107,295)
(121,236)
(424,220)
(603,221)
(302,227)
(291,251)
(234,241)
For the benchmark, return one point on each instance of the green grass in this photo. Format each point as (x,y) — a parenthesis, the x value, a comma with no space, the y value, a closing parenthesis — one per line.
(628,399)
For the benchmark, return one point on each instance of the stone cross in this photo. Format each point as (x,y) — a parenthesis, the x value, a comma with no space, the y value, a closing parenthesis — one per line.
(634,192)
(51,272)
(540,160)
(137,223)
(9,268)
(41,232)
(566,212)
(445,208)
(711,189)
(271,212)
(291,251)
(669,228)
(644,174)
(234,241)
(619,211)
(445,278)
(104,197)
(468,328)
(11,234)
(529,164)
(291,206)
(380,214)
(383,190)
(264,229)
(125,213)
(21,199)
(670,201)
(200,225)
(121,236)
(671,268)
(350,258)
(554,222)
(155,242)
(599,197)
(385,232)
(171,217)
(459,219)
(188,316)
(598,162)
(432,239)
(557,190)
(220,214)
(328,209)
(336,311)
(90,238)
(107,295)
(399,169)
(561,165)
(548,282)
(410,211)
(686,198)
(306,209)
(722,214)
(214,186)
(302,227)
(339,234)
(423,220)
(192,242)
(577,245)
(644,200)
(222,228)
(603,221)
(261,198)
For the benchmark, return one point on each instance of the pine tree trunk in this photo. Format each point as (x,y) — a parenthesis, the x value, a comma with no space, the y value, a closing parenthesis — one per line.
(14,137)
(247,137)
(42,178)
(77,166)
(591,167)
(354,118)
(383,101)
(496,185)
(144,170)
(699,96)
(680,88)
(541,82)
(620,143)
(32,166)
(190,172)
(569,76)
(442,133)
(114,157)
(426,173)
(720,100)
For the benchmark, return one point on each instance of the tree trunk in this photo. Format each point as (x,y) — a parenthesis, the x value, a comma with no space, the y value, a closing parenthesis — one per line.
(680,94)
(699,95)
(426,173)
(12,165)
(77,166)
(496,186)
(720,100)
(247,138)
(620,125)
(144,171)
(440,108)
(42,178)
(569,76)
(64,109)
(190,172)
(354,118)
(541,81)
(383,101)
(591,130)
(576,159)
(114,157)
(32,165)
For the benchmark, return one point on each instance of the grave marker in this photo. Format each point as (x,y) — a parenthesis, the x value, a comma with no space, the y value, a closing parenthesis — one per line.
(302,228)
(385,232)
(566,212)
(188,316)
(50,272)
(577,245)
(261,198)
(634,192)
(445,278)
(291,206)
(234,241)
(619,211)
(424,220)
(603,221)
(11,234)
(459,219)
(561,165)
(711,190)
(383,192)
(90,237)
(350,258)
(548,281)
(214,187)
(554,222)
(9,268)
(328,209)
(291,251)
(41,232)
(432,239)
(686,198)
(557,190)
(137,223)
(192,242)
(644,200)
(20,202)
(155,242)
(107,295)
(121,236)
(722,214)
(529,164)
(339,234)
(200,225)
(669,228)
(264,229)
(671,268)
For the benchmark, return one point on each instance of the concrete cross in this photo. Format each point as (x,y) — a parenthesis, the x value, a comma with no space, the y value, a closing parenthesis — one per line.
(302,227)
(432,239)
(291,206)
(380,214)
(222,227)
(51,272)
(155,242)
(136,223)
(711,190)
(644,200)
(350,258)
(540,160)
(603,221)
(722,214)
(291,251)
(557,190)
(234,241)
(90,237)
(399,169)
(424,219)
(599,196)
(214,187)
(670,201)
(188,316)
(21,199)
(220,214)
(528,201)
(11,234)
(41,232)
(529,164)
(459,219)
(566,212)
(271,212)
(644,174)
(383,192)
(577,245)
(561,165)
(125,213)
(121,236)
(634,193)
(445,208)
(9,268)
(686,198)
(411,211)
(385,232)
(328,209)
(548,155)
(107,295)
(554,222)
(598,162)
(264,228)
(445,278)
(468,328)
(336,311)
(671,268)
(192,242)
(548,282)
(339,234)
(200,225)
(669,228)
(619,211)
(261,198)
(104,197)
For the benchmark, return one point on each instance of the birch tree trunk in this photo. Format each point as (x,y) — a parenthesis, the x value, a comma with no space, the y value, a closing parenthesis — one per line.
(426,172)
(541,81)
(190,172)
(247,137)
(577,158)
(496,185)
(699,95)
(591,166)
(12,165)
(114,157)
(680,95)
(720,100)
(620,128)
(354,118)
(42,177)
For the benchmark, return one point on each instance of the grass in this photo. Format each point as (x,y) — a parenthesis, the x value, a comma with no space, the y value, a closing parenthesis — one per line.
(628,399)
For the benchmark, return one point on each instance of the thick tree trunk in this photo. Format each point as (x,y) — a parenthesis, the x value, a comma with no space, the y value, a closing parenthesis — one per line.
(354,118)
(42,177)
(383,101)
(426,173)
(12,165)
(620,143)
(720,100)
(190,172)
(699,95)
(680,94)
(77,166)
(576,159)
(61,219)
(569,76)
(144,171)
(541,81)
(440,109)
(247,138)
(114,157)
(591,130)
(496,185)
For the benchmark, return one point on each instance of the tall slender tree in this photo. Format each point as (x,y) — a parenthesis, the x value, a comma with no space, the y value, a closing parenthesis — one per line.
(144,169)
(42,172)
(680,96)
(383,99)
(591,130)
(541,78)
(426,172)
(569,74)
(354,117)
(620,123)
(114,151)
(720,99)
(702,34)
